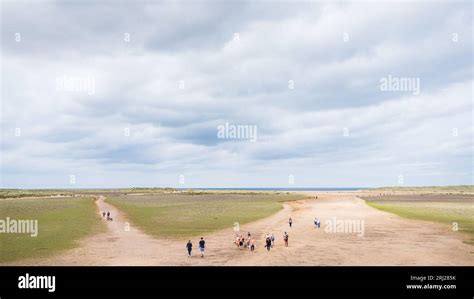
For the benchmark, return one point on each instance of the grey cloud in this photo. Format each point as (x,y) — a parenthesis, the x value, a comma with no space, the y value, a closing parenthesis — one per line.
(173,130)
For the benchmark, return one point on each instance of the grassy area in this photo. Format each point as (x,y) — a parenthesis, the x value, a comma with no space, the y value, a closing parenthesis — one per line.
(186,215)
(457,189)
(61,223)
(19,193)
(446,212)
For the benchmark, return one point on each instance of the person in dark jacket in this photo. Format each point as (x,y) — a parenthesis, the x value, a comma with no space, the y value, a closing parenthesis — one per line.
(189,246)
(268,243)
(202,246)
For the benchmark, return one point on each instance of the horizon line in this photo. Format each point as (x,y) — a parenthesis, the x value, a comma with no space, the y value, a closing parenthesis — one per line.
(232,188)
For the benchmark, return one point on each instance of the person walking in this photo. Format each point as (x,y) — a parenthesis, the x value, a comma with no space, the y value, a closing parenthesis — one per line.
(268,243)
(252,244)
(317,223)
(285,238)
(189,246)
(290,222)
(272,238)
(202,246)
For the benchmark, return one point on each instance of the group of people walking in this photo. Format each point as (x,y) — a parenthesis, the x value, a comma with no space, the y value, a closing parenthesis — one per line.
(270,240)
(245,242)
(109,218)
(248,241)
(202,247)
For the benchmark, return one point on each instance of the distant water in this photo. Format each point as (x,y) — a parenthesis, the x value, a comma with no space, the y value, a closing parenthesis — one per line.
(276,189)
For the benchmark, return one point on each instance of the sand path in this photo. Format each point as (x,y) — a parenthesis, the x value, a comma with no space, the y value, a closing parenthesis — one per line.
(387,240)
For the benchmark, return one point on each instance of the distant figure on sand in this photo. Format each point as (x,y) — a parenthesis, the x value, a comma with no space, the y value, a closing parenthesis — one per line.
(290,222)
(268,242)
(317,223)
(103,214)
(202,246)
(252,244)
(189,246)
(285,238)
(272,238)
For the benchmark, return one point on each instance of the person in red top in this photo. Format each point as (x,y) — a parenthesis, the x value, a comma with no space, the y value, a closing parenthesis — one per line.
(285,238)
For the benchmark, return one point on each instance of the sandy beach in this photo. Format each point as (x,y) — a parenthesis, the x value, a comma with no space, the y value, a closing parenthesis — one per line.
(387,240)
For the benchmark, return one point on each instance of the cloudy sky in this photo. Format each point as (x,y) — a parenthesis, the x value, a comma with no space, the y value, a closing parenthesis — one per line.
(122,93)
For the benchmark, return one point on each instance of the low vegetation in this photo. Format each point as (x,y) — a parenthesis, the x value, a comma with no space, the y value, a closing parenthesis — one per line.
(456,212)
(457,189)
(191,214)
(62,222)
(19,193)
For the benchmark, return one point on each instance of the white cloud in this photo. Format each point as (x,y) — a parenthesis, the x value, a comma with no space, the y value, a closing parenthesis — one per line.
(173,129)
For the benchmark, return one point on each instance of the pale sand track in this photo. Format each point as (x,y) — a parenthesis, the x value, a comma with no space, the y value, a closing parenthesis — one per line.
(388,240)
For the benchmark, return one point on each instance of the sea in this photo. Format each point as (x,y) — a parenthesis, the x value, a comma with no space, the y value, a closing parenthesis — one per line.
(277,189)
